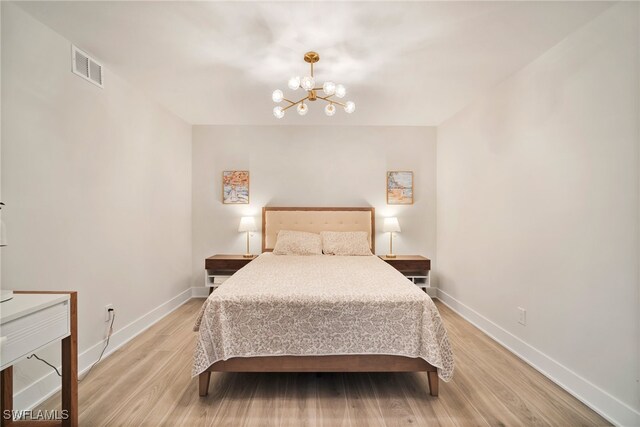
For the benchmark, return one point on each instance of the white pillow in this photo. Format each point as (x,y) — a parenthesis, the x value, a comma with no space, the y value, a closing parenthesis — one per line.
(297,243)
(345,243)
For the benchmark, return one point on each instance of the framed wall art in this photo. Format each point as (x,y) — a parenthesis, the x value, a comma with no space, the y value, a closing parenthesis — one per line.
(399,187)
(235,187)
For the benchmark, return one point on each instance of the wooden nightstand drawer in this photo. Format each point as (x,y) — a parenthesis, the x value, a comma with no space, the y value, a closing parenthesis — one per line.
(226,262)
(408,263)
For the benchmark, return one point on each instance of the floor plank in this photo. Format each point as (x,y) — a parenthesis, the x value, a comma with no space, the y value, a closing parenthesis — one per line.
(148,383)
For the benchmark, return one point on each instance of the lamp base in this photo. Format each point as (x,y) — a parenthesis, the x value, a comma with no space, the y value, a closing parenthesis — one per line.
(247,256)
(390,255)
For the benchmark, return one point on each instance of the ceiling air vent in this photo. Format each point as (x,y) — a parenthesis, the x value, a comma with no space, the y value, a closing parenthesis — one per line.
(86,67)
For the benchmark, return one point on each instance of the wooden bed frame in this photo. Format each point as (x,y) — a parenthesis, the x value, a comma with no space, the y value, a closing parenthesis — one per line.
(338,363)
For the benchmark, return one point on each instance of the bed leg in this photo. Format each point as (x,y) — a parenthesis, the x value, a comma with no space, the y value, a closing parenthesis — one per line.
(203,382)
(433,382)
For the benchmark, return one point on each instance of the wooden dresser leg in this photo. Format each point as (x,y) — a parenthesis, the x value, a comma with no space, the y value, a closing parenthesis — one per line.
(433,382)
(70,368)
(204,382)
(6,400)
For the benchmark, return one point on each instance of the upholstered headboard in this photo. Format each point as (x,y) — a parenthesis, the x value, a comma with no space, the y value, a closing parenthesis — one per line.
(315,220)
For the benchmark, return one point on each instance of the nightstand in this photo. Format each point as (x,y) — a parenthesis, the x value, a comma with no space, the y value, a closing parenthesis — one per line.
(220,267)
(415,267)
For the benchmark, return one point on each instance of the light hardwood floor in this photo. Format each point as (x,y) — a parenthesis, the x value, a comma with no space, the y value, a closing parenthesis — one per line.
(148,383)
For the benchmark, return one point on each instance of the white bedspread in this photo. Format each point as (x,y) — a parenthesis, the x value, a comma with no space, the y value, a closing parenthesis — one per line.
(320,305)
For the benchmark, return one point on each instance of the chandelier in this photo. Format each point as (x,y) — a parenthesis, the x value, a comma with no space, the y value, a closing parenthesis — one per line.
(308,84)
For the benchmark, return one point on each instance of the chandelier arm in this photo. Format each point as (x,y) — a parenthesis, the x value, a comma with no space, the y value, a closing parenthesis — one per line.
(288,100)
(331,101)
(311,69)
(294,103)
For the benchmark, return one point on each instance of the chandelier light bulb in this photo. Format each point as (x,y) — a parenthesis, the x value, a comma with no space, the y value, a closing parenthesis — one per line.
(349,107)
(329,88)
(308,83)
(278,112)
(277,95)
(302,109)
(330,110)
(294,82)
(341,91)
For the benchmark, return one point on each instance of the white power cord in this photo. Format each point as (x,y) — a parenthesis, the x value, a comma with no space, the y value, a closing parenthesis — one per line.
(113,318)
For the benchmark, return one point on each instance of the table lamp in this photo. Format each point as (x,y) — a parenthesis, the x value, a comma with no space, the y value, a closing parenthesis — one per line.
(247,224)
(391,225)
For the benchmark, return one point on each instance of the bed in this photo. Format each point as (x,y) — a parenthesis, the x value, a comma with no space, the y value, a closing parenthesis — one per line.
(320,313)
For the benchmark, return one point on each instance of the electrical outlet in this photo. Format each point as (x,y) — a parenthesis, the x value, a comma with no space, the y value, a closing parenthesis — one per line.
(522,318)
(107,313)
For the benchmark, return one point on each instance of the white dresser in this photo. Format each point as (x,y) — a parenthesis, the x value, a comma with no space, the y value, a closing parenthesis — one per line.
(29,322)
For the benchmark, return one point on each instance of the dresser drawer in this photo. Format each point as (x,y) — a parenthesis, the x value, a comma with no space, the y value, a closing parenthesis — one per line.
(27,334)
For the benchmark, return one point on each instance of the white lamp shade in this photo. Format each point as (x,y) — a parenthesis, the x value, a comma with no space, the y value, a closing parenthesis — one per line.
(247,223)
(391,225)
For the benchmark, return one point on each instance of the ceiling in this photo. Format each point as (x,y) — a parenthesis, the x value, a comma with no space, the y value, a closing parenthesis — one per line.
(404,63)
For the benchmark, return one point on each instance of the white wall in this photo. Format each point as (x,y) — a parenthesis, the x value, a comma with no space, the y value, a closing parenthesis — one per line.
(310,166)
(538,198)
(97,184)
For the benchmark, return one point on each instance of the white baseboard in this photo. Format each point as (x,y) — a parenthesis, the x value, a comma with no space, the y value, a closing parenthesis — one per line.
(46,386)
(591,395)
